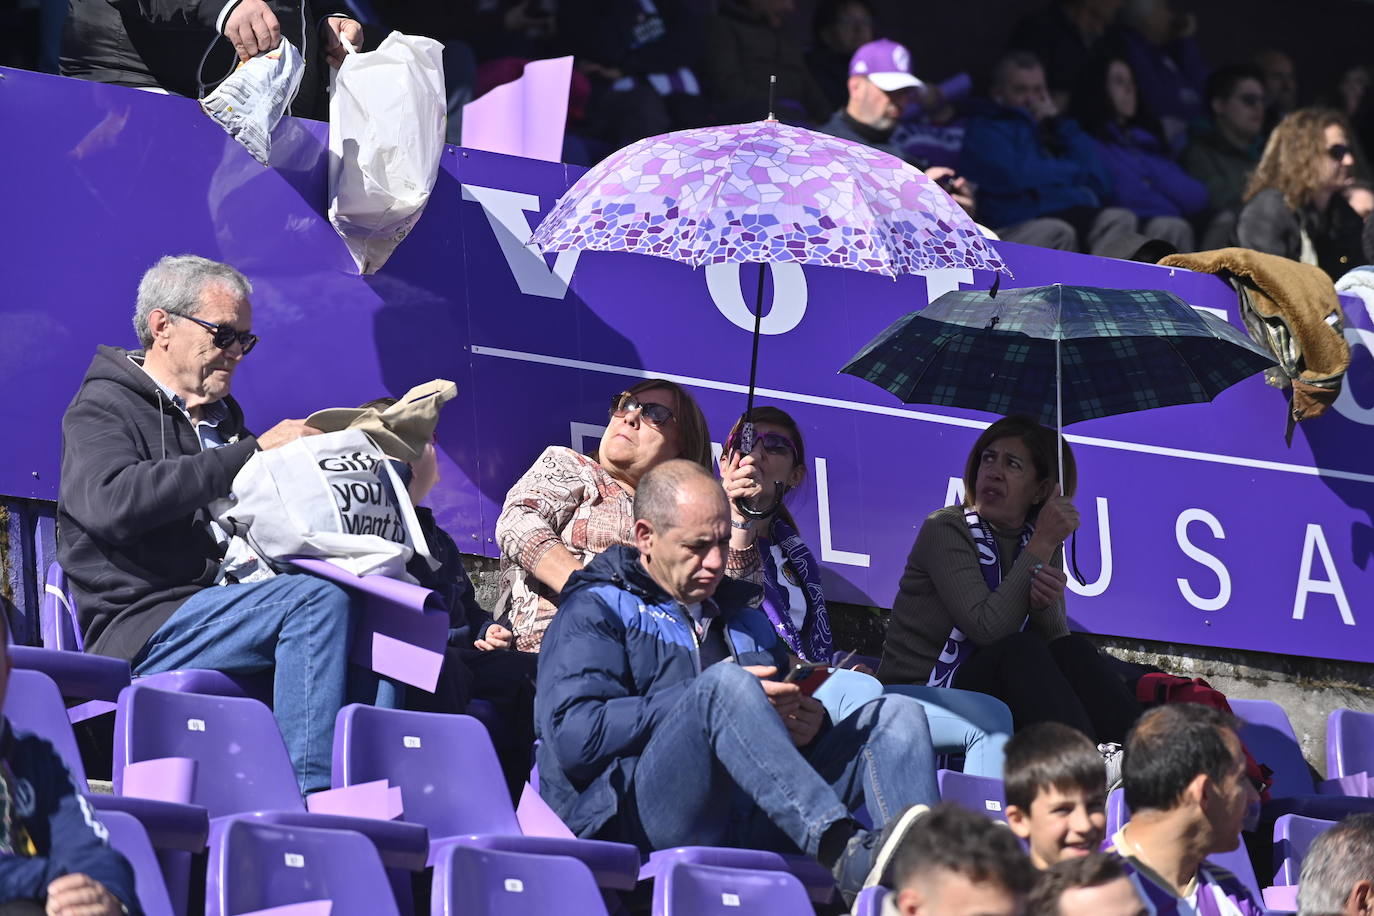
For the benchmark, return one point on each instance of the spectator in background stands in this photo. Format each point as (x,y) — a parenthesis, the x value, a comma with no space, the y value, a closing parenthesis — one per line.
(663,722)
(746,42)
(53,849)
(1223,155)
(1129,139)
(175,46)
(1056,789)
(1094,885)
(1158,42)
(955,862)
(509,28)
(1338,871)
(1064,37)
(1189,796)
(1280,79)
(1040,180)
(1295,205)
(880,86)
(1351,97)
(841,27)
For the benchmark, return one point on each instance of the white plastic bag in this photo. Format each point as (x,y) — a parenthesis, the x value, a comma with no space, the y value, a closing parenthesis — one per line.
(252,99)
(332,496)
(387,114)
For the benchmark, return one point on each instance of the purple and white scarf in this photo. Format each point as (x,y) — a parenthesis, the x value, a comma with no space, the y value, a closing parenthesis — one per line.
(813,642)
(958,648)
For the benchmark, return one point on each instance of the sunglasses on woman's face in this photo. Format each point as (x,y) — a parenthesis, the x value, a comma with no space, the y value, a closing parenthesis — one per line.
(1338,152)
(654,414)
(223,335)
(773,444)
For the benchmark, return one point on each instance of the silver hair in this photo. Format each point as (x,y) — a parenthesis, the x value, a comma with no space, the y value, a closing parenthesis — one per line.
(659,492)
(1335,861)
(175,283)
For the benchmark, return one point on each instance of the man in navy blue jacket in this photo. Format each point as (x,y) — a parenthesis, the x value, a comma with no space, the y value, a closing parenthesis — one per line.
(1040,181)
(664,724)
(52,848)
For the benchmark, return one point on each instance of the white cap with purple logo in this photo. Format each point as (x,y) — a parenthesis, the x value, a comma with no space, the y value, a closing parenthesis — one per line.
(886,63)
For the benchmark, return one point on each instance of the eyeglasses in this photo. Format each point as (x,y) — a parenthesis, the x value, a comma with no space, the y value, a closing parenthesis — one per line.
(1250,99)
(773,444)
(655,415)
(224,335)
(1338,152)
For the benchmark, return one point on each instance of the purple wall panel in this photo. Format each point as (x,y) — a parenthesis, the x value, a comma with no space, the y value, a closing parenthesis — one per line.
(1202,503)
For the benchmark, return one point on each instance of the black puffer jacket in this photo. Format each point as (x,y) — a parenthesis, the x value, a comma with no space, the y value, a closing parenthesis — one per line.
(133,533)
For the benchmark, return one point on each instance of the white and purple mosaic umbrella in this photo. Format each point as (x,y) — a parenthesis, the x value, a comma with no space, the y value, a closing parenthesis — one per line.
(766,192)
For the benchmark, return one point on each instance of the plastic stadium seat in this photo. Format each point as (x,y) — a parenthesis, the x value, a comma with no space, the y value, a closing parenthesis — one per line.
(816,878)
(1117,814)
(491,882)
(870,901)
(242,767)
(977,793)
(256,866)
(1349,743)
(128,836)
(687,889)
(1293,834)
(424,754)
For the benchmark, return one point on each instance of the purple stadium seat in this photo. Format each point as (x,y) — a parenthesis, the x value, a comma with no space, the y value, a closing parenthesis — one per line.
(128,836)
(1293,834)
(486,882)
(437,760)
(870,901)
(255,866)
(687,889)
(816,878)
(977,793)
(1349,743)
(242,768)
(1116,810)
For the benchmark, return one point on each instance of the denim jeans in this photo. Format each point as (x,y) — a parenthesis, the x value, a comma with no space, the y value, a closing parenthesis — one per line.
(964,722)
(723,741)
(298,626)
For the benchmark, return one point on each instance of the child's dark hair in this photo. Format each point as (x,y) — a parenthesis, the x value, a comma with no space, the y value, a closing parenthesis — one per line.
(1051,755)
(955,839)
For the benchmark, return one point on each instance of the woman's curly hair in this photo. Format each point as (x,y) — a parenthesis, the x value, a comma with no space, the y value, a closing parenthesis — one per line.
(1295,157)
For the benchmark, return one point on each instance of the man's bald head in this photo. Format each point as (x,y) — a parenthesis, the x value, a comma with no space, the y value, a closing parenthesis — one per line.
(662,491)
(682,529)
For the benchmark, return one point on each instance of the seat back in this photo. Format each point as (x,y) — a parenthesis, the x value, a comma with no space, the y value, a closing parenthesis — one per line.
(128,836)
(490,882)
(1117,813)
(1237,862)
(983,794)
(1293,835)
(1269,736)
(686,889)
(870,901)
(57,614)
(34,704)
(1349,743)
(255,866)
(445,766)
(241,760)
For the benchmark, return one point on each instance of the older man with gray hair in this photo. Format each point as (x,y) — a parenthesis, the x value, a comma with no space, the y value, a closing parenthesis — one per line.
(1338,871)
(150,440)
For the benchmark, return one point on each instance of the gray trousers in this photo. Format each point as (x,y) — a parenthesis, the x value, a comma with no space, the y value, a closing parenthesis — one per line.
(1107,227)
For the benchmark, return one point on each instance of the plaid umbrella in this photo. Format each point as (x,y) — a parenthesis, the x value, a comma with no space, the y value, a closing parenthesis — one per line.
(1059,353)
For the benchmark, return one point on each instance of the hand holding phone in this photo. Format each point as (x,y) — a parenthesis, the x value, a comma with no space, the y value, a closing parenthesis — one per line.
(808,677)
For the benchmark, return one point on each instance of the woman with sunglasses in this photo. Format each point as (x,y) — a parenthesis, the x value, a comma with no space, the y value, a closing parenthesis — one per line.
(569,507)
(1295,205)
(770,552)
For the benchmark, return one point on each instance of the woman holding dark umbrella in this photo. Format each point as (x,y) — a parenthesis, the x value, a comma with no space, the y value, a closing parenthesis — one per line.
(981,604)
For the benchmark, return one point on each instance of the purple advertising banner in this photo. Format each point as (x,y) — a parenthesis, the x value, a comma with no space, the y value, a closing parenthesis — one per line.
(1199,525)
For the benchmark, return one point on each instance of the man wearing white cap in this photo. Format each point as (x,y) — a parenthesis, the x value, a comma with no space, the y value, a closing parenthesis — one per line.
(881,84)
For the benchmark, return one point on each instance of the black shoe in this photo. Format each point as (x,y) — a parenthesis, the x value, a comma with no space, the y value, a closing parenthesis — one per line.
(869,852)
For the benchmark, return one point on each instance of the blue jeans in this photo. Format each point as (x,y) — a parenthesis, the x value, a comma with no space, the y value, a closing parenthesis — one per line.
(295,625)
(964,722)
(723,740)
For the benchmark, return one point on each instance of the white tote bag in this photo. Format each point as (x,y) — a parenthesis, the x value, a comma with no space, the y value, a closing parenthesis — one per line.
(334,496)
(387,117)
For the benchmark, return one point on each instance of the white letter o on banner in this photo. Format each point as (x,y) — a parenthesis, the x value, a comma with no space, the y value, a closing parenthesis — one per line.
(789,296)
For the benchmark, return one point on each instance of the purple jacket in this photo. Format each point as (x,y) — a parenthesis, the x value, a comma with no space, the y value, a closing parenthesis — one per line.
(1147,182)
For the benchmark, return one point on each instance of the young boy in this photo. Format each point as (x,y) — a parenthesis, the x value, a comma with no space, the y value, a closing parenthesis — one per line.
(1056,789)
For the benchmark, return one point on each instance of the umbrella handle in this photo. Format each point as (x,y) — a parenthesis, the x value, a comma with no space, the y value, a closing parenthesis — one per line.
(748,511)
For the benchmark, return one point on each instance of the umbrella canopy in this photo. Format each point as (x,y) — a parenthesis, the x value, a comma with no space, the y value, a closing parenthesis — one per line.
(766,192)
(1120,351)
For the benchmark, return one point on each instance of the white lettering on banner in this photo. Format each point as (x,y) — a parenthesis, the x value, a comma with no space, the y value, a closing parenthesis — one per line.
(828,553)
(954,496)
(1316,538)
(1104,548)
(944,280)
(579,433)
(784,312)
(506,211)
(1346,405)
(1186,518)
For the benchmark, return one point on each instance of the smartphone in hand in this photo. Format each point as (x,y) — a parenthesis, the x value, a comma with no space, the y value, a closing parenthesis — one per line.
(808,677)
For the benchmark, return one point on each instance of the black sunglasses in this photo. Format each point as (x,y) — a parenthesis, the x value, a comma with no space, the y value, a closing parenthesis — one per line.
(1250,99)
(1338,152)
(655,414)
(224,335)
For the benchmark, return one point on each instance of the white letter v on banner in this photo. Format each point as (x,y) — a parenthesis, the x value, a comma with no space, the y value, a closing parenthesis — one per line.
(505,211)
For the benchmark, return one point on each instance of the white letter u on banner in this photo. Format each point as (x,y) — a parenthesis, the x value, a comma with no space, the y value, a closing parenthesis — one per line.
(789,296)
